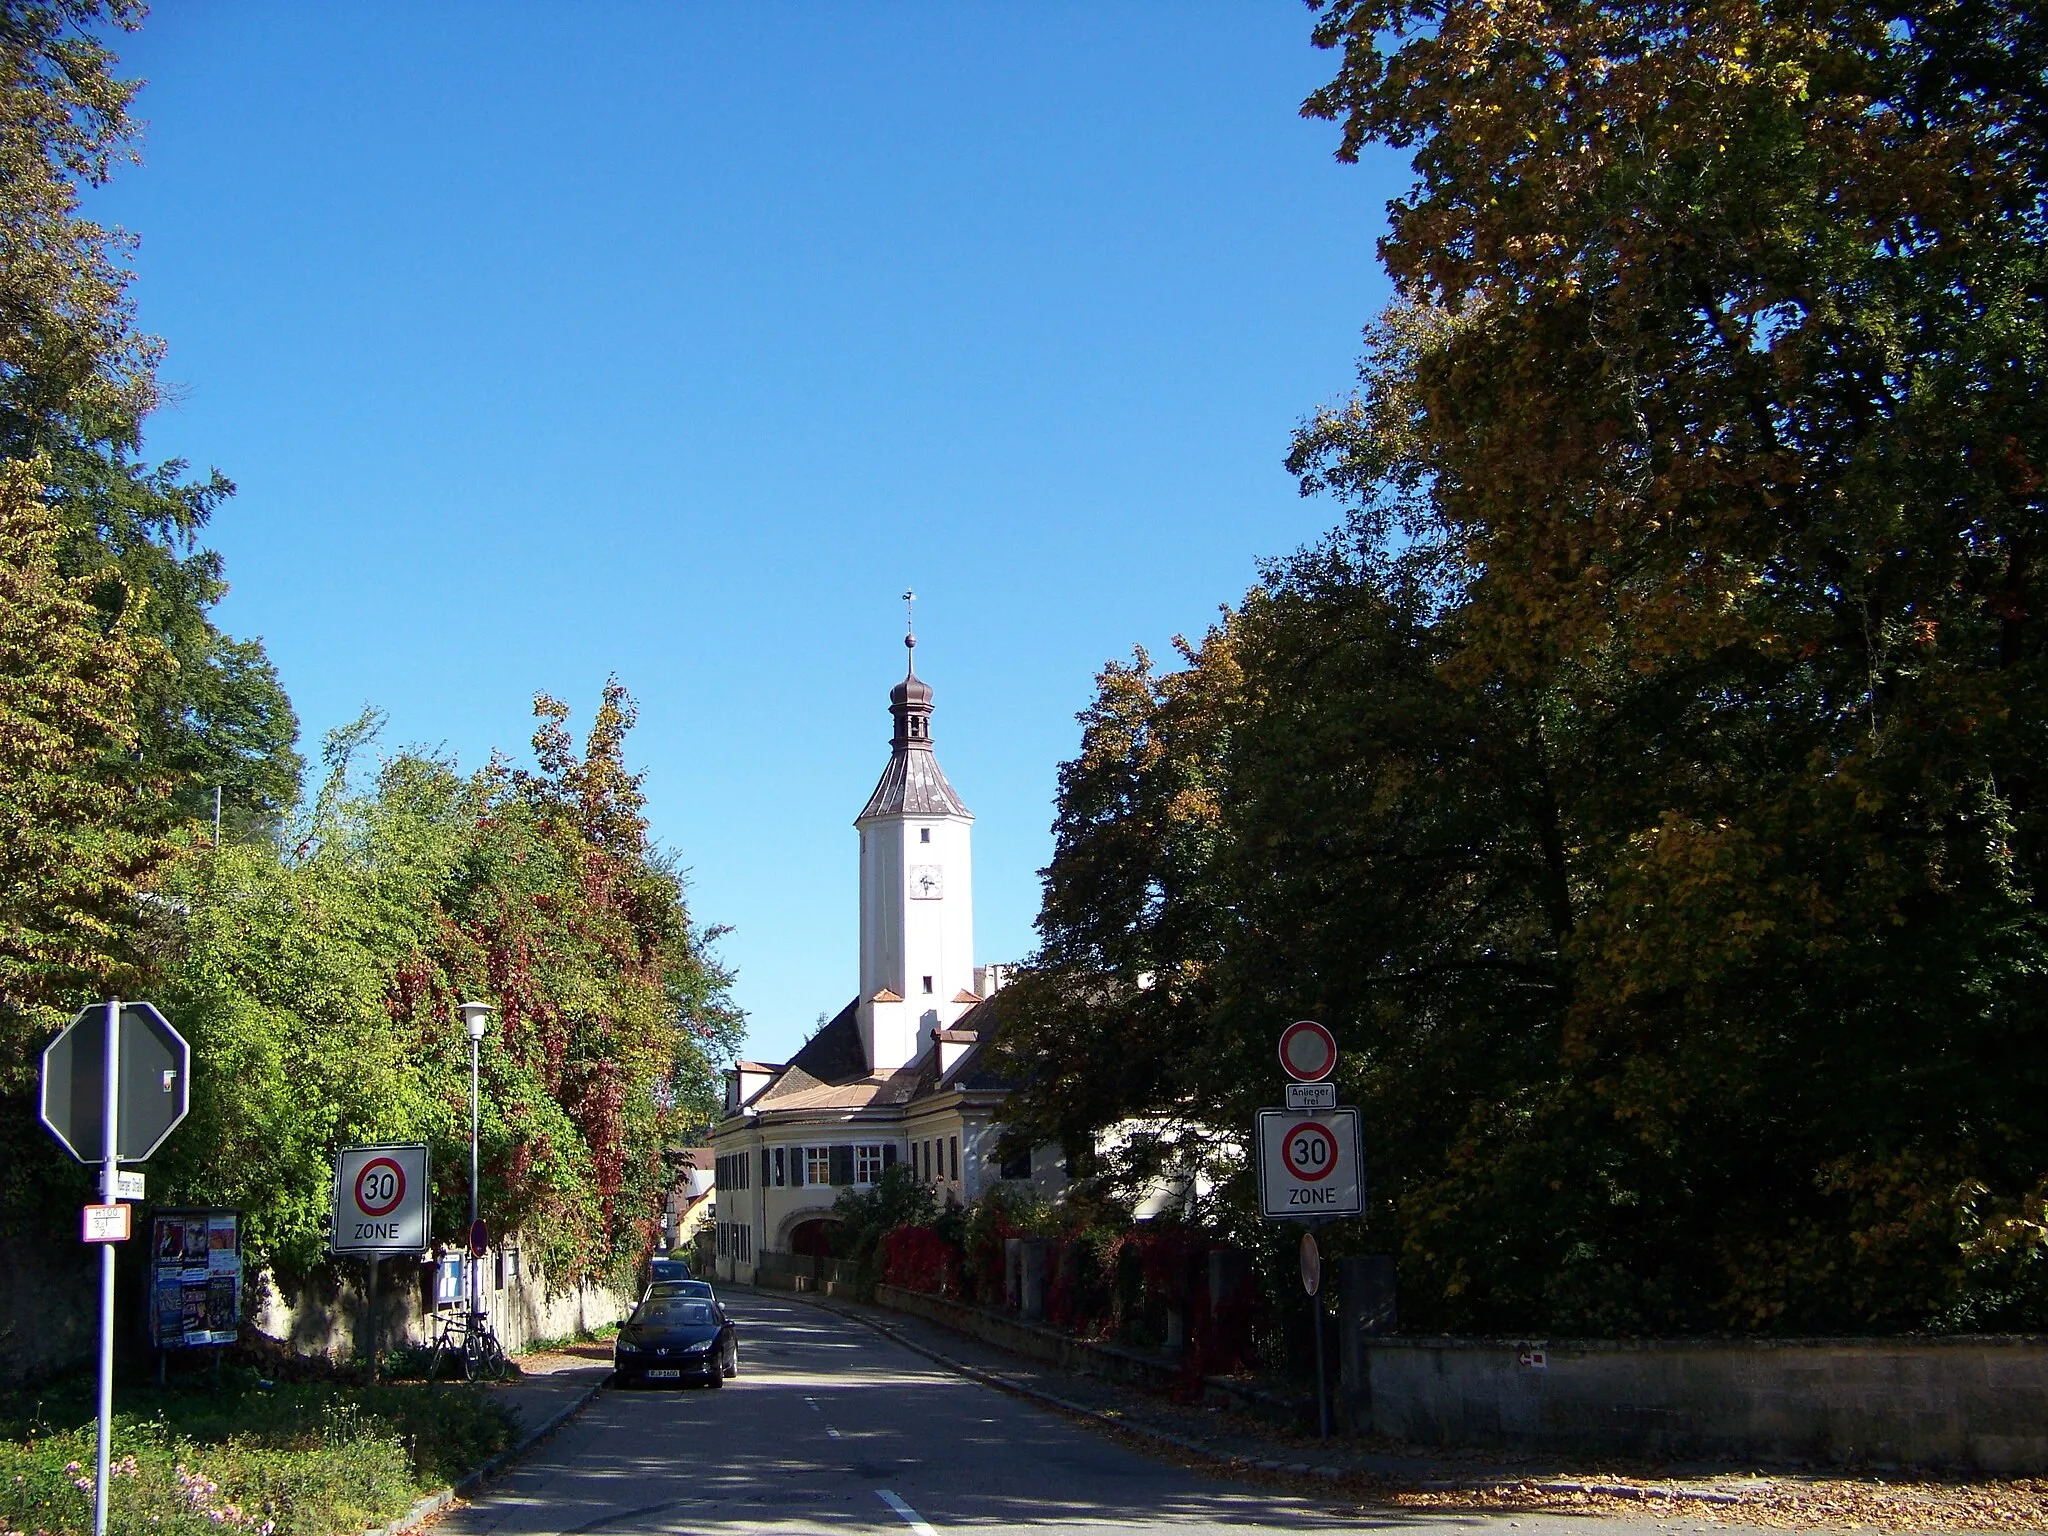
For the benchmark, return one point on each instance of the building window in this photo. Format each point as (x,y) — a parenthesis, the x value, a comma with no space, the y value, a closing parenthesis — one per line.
(1018,1167)
(779,1167)
(924,834)
(867,1164)
(953,1156)
(817,1165)
(927,984)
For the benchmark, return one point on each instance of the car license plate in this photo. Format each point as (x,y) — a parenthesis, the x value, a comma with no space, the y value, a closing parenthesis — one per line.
(665,1375)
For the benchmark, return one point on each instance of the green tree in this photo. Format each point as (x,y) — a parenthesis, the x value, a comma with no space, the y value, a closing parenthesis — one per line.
(77,382)
(318,977)
(74,852)
(1642,783)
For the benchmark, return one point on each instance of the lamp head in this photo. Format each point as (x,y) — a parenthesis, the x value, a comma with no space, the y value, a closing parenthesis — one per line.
(473,1016)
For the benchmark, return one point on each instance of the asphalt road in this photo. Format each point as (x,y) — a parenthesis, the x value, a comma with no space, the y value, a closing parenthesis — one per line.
(831,1428)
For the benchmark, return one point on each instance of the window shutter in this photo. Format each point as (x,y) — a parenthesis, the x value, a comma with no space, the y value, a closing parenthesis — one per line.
(841,1170)
(796,1167)
(888,1154)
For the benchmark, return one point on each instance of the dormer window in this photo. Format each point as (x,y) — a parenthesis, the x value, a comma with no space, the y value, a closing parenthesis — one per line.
(924,834)
(927,985)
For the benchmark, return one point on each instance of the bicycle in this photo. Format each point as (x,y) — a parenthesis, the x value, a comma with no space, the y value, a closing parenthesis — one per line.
(468,1343)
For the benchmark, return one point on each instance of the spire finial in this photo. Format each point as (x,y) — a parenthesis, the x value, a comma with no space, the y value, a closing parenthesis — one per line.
(909,627)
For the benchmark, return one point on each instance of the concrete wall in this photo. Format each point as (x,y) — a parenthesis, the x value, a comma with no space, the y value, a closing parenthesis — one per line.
(795,1272)
(325,1314)
(1967,1404)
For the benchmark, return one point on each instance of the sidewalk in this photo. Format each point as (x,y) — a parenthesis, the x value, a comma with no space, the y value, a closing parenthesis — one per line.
(1384,1473)
(550,1381)
(551,1387)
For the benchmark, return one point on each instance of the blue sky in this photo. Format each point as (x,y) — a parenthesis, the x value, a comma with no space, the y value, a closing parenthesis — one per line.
(677,341)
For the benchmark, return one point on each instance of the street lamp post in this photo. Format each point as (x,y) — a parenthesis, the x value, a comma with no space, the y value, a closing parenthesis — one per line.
(473,1016)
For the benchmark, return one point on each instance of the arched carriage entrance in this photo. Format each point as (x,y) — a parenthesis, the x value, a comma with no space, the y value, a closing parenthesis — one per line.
(812,1239)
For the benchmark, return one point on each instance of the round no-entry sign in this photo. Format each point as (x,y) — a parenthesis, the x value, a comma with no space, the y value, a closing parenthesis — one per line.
(1308,1052)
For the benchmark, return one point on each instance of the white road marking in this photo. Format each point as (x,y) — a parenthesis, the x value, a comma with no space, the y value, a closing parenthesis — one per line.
(831,1431)
(909,1516)
(812,1403)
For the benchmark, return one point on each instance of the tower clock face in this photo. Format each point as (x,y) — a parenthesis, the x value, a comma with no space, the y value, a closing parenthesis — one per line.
(926,883)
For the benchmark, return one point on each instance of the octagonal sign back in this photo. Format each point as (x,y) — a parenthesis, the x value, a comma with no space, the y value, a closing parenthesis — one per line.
(155,1083)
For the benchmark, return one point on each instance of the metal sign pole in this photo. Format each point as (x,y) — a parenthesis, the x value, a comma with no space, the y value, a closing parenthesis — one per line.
(370,1330)
(1322,1388)
(110,1179)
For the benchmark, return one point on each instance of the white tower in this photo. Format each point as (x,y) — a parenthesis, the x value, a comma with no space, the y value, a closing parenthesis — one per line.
(916,891)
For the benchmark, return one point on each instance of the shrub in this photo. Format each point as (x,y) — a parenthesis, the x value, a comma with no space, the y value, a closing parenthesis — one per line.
(308,1460)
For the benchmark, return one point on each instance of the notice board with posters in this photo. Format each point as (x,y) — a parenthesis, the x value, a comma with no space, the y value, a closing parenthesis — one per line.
(195,1278)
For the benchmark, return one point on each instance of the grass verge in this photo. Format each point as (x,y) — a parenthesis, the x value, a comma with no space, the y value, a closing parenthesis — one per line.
(245,1459)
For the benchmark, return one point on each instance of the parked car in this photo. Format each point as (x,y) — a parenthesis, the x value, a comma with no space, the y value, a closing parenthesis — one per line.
(663,1268)
(677,1338)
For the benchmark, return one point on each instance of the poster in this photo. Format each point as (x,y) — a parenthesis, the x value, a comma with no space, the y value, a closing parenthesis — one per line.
(220,1308)
(221,1258)
(167,1314)
(448,1286)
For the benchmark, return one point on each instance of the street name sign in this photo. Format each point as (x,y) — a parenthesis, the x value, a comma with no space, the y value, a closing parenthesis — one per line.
(153,1074)
(380,1201)
(1310,1163)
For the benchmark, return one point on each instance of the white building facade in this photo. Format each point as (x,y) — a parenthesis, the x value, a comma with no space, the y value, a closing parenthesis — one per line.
(898,1075)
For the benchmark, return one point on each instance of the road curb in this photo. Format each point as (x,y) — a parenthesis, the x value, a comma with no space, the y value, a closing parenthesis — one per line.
(441,1498)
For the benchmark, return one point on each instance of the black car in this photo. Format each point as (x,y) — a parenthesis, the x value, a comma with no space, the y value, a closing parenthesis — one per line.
(677,1338)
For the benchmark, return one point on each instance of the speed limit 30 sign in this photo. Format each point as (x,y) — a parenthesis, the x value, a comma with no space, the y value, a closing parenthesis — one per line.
(1309,1164)
(380,1201)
